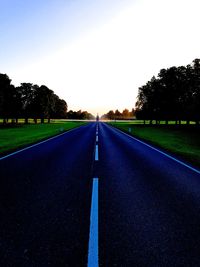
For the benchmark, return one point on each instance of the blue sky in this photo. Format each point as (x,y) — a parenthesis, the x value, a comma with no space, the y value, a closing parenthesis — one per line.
(31,28)
(95,54)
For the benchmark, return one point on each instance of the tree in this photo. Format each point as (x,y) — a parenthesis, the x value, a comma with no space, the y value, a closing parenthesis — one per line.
(15,104)
(26,92)
(111,115)
(118,114)
(29,101)
(58,108)
(42,104)
(7,98)
(145,105)
(173,95)
(167,100)
(125,113)
(195,97)
(80,115)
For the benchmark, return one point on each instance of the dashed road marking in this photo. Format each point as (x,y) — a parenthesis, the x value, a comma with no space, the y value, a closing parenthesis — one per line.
(93,257)
(97,153)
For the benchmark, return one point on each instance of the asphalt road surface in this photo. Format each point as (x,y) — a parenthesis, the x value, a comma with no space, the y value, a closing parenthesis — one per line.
(97,197)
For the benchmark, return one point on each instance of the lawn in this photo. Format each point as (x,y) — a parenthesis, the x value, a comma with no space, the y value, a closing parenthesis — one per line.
(13,138)
(181,140)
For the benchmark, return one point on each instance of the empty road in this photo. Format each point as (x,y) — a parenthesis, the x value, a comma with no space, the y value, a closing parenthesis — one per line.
(97,197)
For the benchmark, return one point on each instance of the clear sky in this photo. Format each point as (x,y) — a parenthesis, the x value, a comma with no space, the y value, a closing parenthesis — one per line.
(96,53)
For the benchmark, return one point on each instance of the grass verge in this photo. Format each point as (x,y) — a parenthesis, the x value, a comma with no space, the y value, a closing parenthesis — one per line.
(181,140)
(17,137)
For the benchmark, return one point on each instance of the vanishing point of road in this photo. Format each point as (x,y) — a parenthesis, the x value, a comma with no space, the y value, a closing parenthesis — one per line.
(95,196)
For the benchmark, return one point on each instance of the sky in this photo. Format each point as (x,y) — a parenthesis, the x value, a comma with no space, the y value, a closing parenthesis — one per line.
(95,54)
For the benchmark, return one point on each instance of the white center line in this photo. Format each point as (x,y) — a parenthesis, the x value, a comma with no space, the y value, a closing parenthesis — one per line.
(97,153)
(97,139)
(93,258)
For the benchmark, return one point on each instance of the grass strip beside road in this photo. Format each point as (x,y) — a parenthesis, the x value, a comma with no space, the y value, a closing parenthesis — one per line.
(20,136)
(182,140)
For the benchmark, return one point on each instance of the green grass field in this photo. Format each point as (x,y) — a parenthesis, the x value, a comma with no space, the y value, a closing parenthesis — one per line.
(180,140)
(12,138)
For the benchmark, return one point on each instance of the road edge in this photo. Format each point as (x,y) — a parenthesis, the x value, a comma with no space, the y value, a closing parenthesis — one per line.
(195,169)
(44,140)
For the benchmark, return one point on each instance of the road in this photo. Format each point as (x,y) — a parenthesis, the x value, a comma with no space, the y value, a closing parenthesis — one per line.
(97,197)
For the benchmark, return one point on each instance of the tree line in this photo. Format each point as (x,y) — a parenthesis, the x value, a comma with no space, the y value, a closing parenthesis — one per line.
(117,115)
(80,115)
(32,101)
(173,95)
(29,101)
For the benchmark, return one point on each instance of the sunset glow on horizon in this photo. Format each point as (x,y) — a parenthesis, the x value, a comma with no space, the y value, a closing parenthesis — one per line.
(95,55)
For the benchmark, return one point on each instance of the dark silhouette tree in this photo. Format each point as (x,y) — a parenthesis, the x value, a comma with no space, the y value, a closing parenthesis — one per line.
(196,90)
(42,103)
(29,101)
(7,98)
(80,115)
(110,115)
(125,113)
(26,92)
(118,114)
(58,108)
(173,95)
